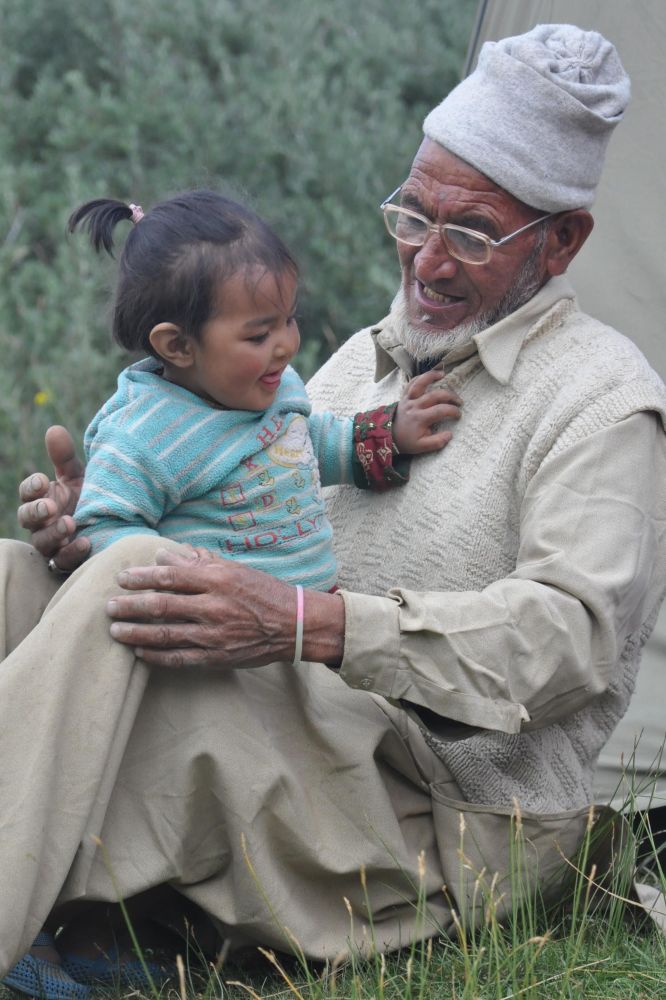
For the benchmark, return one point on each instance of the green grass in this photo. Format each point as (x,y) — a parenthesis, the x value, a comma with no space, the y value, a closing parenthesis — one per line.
(624,966)
(610,966)
(612,962)
(596,945)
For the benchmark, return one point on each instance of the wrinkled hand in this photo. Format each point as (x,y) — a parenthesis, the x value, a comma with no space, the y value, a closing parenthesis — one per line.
(47,507)
(419,410)
(195,609)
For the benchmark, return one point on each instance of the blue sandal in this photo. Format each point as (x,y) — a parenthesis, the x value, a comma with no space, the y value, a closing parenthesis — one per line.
(39,978)
(108,969)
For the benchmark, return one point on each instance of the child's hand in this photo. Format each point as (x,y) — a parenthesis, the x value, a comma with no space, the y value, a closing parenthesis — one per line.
(418,410)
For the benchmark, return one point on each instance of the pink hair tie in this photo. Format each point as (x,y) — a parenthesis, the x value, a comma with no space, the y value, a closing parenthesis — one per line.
(137,213)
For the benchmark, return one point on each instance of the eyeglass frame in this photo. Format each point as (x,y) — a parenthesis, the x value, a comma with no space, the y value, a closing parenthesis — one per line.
(440,227)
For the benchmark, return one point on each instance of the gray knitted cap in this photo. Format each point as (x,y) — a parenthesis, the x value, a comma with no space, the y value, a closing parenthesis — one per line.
(536,114)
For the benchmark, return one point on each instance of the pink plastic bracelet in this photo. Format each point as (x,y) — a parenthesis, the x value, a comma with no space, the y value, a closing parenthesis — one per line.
(298,648)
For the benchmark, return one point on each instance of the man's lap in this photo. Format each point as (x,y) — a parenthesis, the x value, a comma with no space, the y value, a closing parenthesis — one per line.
(260,794)
(173,769)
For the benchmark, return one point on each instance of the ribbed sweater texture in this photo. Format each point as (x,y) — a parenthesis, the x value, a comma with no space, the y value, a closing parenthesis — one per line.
(456,526)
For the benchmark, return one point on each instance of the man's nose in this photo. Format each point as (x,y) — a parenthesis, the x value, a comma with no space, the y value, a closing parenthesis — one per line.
(433,260)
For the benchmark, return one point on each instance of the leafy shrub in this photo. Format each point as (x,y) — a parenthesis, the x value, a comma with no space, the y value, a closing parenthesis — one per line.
(310,109)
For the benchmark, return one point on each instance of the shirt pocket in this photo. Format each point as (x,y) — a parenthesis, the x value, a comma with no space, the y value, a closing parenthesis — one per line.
(495,860)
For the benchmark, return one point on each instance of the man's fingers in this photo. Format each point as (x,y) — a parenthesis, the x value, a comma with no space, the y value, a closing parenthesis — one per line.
(47,537)
(34,487)
(155,605)
(169,645)
(185,555)
(61,451)
(69,557)
(158,636)
(185,578)
(36,514)
(53,536)
(42,507)
(175,658)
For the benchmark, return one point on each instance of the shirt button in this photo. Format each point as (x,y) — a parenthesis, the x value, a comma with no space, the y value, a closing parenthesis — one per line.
(366,683)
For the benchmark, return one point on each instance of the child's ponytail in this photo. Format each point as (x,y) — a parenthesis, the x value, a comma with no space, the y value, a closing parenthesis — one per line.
(101,218)
(177,257)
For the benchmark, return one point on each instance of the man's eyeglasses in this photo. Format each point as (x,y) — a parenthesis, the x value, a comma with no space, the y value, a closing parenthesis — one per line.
(464,244)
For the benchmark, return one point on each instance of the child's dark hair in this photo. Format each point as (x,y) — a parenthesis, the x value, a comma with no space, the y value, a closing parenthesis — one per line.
(176,257)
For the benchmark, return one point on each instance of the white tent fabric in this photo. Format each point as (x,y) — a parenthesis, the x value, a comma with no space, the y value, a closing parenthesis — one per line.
(619,276)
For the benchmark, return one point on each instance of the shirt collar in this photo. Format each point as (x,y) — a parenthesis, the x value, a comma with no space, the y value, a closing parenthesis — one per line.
(498,346)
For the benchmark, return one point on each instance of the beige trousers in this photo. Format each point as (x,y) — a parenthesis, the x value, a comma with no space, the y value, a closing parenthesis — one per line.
(258,794)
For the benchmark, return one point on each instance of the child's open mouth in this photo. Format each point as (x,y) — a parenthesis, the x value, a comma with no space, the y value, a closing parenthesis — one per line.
(272,379)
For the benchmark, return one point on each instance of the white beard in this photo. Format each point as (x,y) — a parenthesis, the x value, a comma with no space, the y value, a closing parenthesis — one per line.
(431,346)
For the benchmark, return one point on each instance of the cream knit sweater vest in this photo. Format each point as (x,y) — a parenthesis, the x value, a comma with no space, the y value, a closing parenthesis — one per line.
(572,377)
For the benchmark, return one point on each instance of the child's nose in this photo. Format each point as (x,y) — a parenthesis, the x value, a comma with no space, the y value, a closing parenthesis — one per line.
(284,345)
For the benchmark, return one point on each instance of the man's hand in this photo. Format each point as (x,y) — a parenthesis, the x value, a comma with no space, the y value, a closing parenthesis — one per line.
(47,507)
(194,609)
(419,410)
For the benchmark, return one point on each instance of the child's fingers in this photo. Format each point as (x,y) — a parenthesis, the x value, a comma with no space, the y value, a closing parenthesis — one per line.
(432,442)
(434,396)
(420,383)
(435,414)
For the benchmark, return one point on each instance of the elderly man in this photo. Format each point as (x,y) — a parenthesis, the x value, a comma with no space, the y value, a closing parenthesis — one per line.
(487,636)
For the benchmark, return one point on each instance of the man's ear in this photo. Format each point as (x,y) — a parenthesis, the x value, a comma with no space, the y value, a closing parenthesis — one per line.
(568,232)
(172,345)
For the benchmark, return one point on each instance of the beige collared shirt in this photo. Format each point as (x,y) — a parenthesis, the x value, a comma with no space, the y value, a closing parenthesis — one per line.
(535,645)
(497,346)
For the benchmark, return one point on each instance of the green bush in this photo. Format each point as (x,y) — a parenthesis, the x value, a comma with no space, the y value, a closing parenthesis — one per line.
(310,109)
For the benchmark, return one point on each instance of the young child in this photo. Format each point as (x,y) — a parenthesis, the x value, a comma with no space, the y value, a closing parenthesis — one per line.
(210,440)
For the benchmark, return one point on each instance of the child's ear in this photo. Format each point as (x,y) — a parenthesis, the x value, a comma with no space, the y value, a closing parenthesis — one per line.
(172,345)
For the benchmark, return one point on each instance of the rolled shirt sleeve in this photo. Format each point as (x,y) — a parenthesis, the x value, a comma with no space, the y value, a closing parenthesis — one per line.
(534,647)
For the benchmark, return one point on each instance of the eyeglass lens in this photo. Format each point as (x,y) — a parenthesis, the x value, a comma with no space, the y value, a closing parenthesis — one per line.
(415,232)
(465,245)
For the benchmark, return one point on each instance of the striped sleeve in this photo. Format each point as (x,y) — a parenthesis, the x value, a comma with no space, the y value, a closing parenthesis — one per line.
(126,490)
(332,440)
